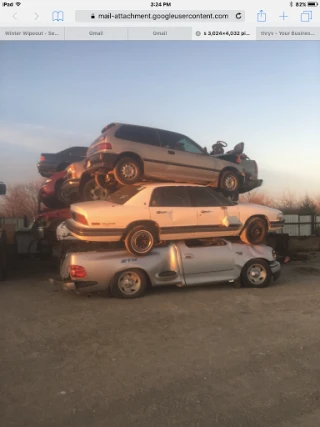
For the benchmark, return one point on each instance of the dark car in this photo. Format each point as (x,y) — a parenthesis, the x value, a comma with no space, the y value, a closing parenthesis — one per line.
(3,189)
(50,191)
(129,154)
(56,162)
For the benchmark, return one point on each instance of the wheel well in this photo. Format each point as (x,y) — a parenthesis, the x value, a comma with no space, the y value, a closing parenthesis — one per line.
(149,284)
(136,223)
(231,169)
(256,216)
(84,179)
(133,155)
(59,182)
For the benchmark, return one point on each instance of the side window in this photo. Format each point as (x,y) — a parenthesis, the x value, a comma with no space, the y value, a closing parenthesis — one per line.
(138,134)
(176,141)
(169,197)
(202,197)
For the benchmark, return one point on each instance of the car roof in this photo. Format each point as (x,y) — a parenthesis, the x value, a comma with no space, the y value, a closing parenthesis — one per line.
(112,124)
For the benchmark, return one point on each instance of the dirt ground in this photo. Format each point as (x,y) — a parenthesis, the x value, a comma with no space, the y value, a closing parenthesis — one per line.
(209,356)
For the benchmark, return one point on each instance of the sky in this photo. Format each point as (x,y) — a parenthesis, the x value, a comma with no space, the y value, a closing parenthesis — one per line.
(54,95)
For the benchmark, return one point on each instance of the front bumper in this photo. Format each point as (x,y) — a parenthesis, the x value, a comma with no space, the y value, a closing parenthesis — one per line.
(274,225)
(104,161)
(275,269)
(250,185)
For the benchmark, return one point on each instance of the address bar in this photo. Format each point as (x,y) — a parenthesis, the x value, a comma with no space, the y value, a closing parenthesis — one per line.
(140,15)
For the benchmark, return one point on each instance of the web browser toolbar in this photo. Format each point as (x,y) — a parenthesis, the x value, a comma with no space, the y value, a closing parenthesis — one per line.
(203,20)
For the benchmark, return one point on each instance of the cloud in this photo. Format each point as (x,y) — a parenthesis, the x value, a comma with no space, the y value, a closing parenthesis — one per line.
(36,138)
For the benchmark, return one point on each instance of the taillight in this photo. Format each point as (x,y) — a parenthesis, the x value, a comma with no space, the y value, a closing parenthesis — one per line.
(238,159)
(79,218)
(99,147)
(42,159)
(77,272)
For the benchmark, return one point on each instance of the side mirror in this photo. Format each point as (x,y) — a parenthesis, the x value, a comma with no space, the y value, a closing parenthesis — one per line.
(3,189)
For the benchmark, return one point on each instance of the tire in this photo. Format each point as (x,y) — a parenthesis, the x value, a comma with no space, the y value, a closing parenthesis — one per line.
(91,191)
(128,171)
(129,284)
(255,231)
(146,236)
(229,181)
(256,273)
(59,195)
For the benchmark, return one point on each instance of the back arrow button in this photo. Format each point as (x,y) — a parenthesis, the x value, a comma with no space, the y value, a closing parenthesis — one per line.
(14,16)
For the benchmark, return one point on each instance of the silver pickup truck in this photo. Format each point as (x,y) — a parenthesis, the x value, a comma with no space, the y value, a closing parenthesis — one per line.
(184,263)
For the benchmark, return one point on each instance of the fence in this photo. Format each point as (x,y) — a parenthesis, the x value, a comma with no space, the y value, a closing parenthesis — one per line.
(301,225)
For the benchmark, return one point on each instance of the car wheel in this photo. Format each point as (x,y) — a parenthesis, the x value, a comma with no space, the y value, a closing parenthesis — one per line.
(128,171)
(91,191)
(128,284)
(255,231)
(59,194)
(140,240)
(256,273)
(229,181)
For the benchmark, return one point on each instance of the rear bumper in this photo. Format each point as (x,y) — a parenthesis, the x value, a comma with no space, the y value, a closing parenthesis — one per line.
(76,285)
(104,161)
(46,169)
(250,184)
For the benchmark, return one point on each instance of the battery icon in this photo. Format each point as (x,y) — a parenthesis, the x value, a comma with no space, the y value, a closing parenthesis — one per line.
(312,4)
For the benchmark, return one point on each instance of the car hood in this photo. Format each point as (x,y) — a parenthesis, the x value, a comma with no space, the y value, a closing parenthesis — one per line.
(252,208)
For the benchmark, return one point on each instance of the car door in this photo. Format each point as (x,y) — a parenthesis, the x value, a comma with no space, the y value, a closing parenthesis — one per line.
(206,261)
(170,208)
(187,160)
(145,143)
(216,215)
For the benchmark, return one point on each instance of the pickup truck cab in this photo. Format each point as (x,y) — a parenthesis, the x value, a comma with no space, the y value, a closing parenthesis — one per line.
(184,263)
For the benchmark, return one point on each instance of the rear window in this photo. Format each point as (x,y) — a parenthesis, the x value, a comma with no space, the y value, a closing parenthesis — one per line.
(138,134)
(126,193)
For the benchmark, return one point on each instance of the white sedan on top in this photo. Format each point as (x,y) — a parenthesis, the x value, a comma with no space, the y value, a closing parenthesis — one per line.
(147,213)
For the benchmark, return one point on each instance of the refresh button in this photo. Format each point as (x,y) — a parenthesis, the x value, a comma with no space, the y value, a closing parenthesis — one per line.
(238,15)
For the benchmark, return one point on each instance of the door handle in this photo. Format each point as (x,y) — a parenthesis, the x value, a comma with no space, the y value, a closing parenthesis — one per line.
(160,212)
(206,211)
(188,256)
(171,152)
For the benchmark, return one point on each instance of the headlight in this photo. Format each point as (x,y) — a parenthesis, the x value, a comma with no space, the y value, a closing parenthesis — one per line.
(274,254)
(280,217)
(47,181)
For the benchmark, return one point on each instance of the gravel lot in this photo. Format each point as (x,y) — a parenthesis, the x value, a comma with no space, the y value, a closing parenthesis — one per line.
(209,356)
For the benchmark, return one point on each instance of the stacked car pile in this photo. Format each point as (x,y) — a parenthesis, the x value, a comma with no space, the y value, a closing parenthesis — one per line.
(157,186)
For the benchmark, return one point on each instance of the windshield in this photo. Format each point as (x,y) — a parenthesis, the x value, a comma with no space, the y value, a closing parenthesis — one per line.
(126,193)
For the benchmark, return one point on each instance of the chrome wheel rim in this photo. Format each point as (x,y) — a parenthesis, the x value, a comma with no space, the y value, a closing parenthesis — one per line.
(257,274)
(129,171)
(97,193)
(142,241)
(129,283)
(230,182)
